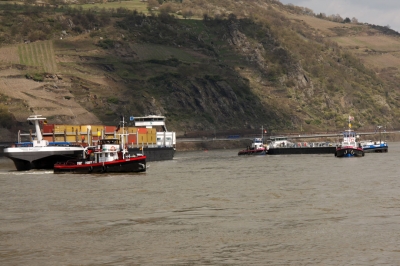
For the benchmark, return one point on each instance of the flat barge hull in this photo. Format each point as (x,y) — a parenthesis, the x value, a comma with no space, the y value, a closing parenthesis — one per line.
(301,150)
(379,149)
(155,154)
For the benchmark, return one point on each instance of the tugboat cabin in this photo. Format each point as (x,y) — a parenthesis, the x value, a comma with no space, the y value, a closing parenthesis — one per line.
(349,138)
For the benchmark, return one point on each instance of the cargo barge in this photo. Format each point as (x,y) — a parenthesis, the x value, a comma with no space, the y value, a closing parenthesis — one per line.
(148,136)
(281,146)
(164,146)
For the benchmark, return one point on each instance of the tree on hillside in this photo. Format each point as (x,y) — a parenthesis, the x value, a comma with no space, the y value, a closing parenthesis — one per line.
(151,4)
(346,20)
(187,13)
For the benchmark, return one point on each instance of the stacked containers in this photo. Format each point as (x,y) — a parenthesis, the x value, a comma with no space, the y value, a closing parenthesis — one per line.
(59,133)
(71,133)
(67,133)
(91,133)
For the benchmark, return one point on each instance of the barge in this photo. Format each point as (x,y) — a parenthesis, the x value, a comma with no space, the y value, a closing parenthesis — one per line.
(282,146)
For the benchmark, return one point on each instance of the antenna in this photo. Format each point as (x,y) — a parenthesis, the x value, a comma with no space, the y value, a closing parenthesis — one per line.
(123,136)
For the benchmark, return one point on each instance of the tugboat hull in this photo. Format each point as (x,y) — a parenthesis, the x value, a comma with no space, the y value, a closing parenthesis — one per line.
(253,152)
(129,165)
(349,152)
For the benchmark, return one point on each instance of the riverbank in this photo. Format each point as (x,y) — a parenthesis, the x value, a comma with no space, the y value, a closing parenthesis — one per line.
(212,145)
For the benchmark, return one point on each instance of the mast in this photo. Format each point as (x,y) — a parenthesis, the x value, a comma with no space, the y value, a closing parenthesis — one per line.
(262,134)
(36,119)
(123,136)
(380,134)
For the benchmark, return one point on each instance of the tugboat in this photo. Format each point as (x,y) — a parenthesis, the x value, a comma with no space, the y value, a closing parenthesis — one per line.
(349,146)
(109,156)
(257,147)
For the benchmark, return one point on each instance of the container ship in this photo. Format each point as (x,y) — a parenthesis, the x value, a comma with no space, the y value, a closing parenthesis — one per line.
(148,136)
(39,153)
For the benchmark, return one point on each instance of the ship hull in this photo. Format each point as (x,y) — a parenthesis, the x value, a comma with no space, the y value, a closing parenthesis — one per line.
(40,158)
(376,148)
(349,152)
(155,154)
(129,165)
(301,150)
(253,152)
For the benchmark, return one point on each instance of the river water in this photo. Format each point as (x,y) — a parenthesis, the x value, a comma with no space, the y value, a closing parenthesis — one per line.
(207,208)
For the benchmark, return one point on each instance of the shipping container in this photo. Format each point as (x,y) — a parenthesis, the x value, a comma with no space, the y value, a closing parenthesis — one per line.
(48,128)
(93,128)
(142,130)
(48,138)
(59,138)
(132,130)
(59,129)
(109,130)
(132,139)
(71,138)
(142,139)
(151,139)
(69,129)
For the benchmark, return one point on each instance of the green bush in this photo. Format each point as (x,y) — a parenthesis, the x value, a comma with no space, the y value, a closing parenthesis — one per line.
(113,100)
(106,44)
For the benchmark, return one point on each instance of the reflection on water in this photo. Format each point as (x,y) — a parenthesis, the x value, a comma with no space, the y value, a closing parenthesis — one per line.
(207,208)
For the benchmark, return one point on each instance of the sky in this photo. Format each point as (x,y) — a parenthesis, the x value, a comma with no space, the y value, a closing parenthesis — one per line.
(378,12)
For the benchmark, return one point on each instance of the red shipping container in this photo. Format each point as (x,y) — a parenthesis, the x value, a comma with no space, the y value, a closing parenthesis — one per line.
(109,129)
(132,139)
(48,128)
(48,138)
(142,130)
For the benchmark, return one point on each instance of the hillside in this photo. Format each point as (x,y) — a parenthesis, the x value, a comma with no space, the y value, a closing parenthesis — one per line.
(236,67)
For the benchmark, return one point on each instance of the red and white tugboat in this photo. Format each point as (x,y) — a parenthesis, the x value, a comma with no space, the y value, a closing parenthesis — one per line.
(349,146)
(257,146)
(109,156)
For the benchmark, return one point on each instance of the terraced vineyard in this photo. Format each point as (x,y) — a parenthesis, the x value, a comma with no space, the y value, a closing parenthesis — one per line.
(39,54)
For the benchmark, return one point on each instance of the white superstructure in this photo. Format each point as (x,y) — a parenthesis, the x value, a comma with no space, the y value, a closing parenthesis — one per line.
(164,138)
